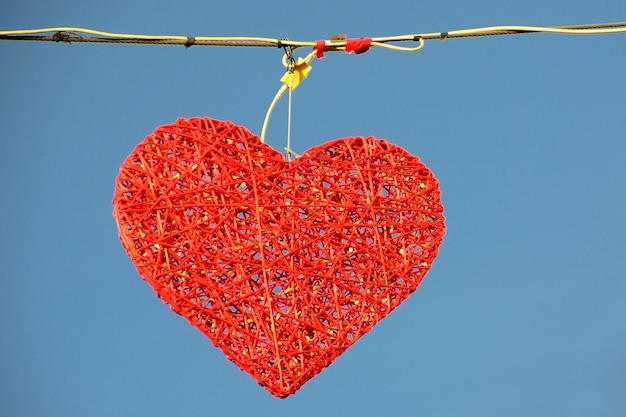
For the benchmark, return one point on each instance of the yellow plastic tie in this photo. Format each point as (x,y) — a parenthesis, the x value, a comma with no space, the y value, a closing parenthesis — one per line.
(295,75)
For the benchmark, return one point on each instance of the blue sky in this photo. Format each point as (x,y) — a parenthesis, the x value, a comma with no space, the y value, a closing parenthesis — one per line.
(523,311)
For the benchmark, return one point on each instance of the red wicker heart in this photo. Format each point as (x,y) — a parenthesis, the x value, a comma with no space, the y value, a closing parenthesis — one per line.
(283,265)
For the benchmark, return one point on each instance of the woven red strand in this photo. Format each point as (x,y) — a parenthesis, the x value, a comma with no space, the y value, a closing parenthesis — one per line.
(283,265)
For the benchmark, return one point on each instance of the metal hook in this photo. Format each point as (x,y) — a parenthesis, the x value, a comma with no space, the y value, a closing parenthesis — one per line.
(288,60)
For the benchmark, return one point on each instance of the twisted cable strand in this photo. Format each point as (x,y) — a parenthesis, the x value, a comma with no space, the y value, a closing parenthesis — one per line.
(73,34)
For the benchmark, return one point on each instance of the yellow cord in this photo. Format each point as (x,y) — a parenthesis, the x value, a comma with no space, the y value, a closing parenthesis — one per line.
(400,48)
(295,74)
(300,69)
(506,30)
(130,36)
(72,34)
(279,94)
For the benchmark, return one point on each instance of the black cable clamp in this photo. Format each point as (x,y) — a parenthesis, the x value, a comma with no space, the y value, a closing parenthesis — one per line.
(190,42)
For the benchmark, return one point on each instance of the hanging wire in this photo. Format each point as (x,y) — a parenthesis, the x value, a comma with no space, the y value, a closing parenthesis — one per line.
(283,89)
(291,64)
(288,150)
(75,35)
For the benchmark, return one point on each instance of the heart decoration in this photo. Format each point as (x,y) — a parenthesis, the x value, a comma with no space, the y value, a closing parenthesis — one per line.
(283,265)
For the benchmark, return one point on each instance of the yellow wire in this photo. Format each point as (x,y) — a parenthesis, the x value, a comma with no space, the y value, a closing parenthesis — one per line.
(504,29)
(181,39)
(279,94)
(277,97)
(62,34)
(129,36)
(400,48)
(87,31)
(335,45)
